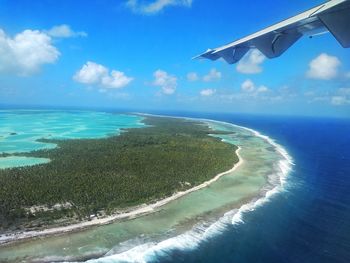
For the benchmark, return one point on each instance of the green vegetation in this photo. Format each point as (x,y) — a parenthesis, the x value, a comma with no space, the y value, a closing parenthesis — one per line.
(101,176)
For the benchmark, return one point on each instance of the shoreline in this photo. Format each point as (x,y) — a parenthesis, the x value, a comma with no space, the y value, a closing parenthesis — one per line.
(140,210)
(271,188)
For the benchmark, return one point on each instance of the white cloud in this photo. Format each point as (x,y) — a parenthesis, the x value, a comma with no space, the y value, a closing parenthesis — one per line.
(167,82)
(251,62)
(262,89)
(192,76)
(212,75)
(249,86)
(338,97)
(154,7)
(116,79)
(207,92)
(64,31)
(342,97)
(91,73)
(26,52)
(339,100)
(95,74)
(323,67)
(319,99)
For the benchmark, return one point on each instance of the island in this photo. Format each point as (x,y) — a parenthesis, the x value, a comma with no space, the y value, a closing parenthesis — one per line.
(88,179)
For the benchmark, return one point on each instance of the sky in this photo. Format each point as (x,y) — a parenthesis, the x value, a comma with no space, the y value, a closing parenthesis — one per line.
(136,54)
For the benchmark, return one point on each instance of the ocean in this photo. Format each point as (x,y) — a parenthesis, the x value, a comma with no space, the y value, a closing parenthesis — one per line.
(310,221)
(306,220)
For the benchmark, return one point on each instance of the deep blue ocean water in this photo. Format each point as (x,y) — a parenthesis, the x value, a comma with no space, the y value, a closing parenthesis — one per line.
(310,221)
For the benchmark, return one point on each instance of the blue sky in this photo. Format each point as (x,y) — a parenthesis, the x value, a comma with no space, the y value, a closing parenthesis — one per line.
(137,55)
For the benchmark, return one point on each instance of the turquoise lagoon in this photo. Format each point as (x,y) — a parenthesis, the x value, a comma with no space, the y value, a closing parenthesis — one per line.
(20,131)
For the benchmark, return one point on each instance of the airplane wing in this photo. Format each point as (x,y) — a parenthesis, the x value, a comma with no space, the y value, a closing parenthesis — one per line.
(273,41)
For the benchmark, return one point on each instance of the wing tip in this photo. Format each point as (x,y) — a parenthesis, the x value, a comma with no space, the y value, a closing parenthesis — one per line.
(197,57)
(209,54)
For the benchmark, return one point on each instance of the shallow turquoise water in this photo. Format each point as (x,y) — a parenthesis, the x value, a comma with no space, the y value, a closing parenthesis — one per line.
(18,161)
(20,130)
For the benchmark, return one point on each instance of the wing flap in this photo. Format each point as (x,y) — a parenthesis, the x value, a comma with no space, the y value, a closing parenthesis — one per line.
(274,45)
